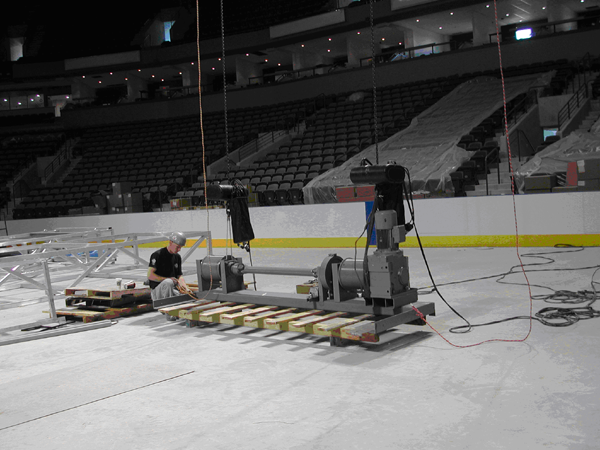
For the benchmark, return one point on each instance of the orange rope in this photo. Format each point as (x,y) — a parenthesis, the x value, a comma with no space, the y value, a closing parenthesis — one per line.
(419,313)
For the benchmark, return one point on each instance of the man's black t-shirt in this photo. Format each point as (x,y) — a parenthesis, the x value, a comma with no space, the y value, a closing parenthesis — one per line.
(166,264)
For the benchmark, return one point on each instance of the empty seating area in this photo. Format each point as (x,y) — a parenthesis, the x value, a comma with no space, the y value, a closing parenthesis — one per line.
(336,132)
(18,152)
(161,158)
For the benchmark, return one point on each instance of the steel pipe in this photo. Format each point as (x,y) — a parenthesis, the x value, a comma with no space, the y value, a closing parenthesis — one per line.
(298,271)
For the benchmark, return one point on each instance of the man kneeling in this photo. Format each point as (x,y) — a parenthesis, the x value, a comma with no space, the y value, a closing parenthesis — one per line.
(165,271)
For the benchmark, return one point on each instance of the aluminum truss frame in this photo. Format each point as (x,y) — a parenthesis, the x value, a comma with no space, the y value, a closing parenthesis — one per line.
(31,258)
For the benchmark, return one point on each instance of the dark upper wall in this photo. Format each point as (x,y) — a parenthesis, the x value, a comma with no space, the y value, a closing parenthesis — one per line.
(571,45)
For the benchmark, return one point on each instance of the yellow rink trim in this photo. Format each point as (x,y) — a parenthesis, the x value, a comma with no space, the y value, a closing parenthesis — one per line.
(526,240)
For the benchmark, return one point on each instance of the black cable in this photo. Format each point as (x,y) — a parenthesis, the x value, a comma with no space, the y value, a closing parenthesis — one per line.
(411,208)
(550,316)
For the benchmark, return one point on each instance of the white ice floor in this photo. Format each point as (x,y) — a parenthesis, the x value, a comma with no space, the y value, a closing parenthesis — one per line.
(145,383)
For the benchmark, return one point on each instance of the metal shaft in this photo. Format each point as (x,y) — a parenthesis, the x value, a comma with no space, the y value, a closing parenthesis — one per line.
(299,271)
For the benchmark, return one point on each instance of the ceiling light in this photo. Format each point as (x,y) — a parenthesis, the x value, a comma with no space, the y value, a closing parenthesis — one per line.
(213,68)
(67,97)
(358,32)
(507,14)
(110,73)
(83,76)
(99,82)
(487,6)
(328,50)
(543,7)
(266,60)
(451,13)
(418,20)
(302,46)
(329,39)
(440,28)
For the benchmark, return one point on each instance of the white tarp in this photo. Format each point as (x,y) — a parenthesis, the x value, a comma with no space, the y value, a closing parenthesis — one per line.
(427,148)
(555,158)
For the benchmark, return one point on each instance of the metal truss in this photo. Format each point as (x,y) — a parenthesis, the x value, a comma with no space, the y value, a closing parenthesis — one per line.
(35,260)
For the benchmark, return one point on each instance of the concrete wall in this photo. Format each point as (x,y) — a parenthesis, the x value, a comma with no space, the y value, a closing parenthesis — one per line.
(543,220)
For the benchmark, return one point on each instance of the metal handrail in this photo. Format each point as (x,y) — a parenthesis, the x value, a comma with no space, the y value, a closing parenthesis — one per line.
(576,100)
(407,53)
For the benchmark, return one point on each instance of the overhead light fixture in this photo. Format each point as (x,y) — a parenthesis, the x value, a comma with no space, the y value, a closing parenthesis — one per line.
(358,32)
(329,39)
(451,13)
(440,28)
(418,20)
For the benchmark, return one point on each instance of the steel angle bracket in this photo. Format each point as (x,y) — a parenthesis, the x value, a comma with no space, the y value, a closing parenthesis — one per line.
(370,330)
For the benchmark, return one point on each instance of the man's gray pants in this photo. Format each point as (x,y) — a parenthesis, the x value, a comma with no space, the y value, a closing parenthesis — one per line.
(165,289)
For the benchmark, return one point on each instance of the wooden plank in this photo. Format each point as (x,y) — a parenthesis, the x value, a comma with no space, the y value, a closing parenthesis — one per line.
(173,311)
(214,315)
(306,325)
(281,323)
(360,331)
(332,327)
(238,318)
(113,313)
(258,320)
(106,294)
(86,316)
(192,314)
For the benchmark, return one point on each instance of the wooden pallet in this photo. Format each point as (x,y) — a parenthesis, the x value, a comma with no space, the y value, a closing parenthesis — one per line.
(338,325)
(107,294)
(91,314)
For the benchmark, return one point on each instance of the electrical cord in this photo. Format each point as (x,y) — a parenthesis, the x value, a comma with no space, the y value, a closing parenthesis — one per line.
(553,316)
(412,225)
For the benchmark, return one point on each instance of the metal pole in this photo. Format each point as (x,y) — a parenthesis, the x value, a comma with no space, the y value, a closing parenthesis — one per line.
(298,271)
(49,290)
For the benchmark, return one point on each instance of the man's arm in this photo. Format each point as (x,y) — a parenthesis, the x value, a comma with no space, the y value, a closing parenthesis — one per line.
(153,276)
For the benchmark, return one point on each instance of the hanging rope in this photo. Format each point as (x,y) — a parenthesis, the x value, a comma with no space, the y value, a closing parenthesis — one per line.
(225,92)
(375,118)
(417,312)
(198,61)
